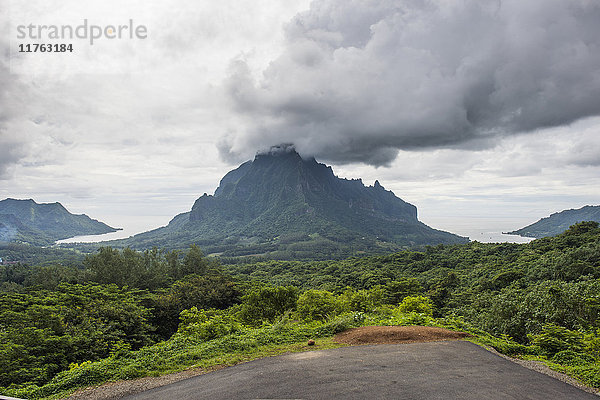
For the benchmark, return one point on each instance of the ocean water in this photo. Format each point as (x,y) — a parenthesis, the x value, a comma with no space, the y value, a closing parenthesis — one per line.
(484,230)
(488,236)
(123,234)
(131,225)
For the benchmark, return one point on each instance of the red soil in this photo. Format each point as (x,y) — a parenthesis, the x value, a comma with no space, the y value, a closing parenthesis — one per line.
(396,334)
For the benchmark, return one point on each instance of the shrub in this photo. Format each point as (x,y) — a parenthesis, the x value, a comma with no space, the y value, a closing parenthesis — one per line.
(553,339)
(341,323)
(572,358)
(317,305)
(412,318)
(267,303)
(361,300)
(417,304)
(590,374)
(593,347)
(207,325)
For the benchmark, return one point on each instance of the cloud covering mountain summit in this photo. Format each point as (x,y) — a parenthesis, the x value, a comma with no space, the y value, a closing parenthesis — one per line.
(358,80)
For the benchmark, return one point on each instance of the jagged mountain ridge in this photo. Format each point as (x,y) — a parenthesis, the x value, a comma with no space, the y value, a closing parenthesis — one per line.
(43,223)
(280,199)
(559,222)
(302,192)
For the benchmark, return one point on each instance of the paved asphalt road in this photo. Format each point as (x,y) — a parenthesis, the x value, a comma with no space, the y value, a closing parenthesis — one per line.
(434,370)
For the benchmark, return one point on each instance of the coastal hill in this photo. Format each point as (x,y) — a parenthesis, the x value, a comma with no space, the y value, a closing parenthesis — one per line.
(559,222)
(26,221)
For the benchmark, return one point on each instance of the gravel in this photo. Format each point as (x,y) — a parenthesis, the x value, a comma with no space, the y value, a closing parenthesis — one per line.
(120,389)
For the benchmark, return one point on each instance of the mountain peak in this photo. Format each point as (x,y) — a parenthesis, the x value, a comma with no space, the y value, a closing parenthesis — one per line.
(281,202)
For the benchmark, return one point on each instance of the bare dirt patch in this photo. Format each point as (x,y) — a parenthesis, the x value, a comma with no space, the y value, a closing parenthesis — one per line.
(117,390)
(396,334)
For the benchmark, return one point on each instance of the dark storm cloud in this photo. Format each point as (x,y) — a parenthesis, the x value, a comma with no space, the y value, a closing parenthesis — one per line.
(358,80)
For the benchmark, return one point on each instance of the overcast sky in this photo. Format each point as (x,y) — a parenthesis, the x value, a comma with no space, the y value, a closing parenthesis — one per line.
(482,113)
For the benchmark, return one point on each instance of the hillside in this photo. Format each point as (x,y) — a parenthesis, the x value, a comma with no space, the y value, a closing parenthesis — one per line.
(126,314)
(559,222)
(26,221)
(283,206)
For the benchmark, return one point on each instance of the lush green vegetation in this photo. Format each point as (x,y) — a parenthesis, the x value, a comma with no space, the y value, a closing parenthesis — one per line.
(44,331)
(125,314)
(32,255)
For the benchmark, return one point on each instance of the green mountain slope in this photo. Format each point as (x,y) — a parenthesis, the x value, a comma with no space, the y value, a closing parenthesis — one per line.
(559,222)
(42,224)
(284,206)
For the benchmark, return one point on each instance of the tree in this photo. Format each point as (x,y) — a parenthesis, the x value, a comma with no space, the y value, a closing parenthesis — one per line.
(417,304)
(396,291)
(106,266)
(194,262)
(317,305)
(203,292)
(266,303)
